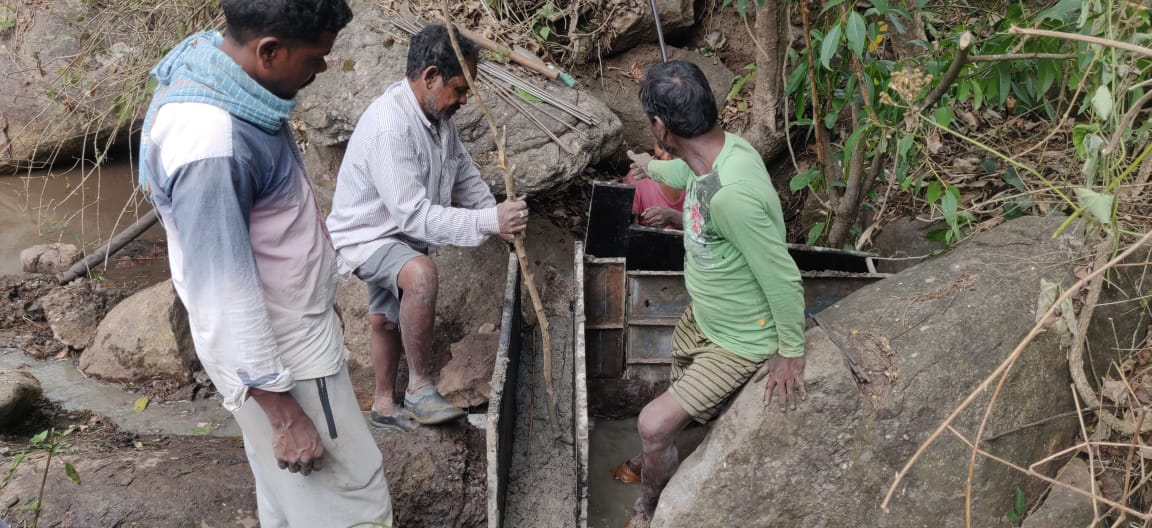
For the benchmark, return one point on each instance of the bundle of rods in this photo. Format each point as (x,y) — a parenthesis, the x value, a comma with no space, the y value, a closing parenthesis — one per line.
(492,72)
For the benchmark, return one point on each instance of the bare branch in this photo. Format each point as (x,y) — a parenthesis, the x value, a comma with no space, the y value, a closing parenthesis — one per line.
(1140,50)
(518,243)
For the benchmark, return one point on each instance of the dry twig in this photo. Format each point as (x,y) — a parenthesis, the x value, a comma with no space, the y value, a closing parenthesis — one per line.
(518,242)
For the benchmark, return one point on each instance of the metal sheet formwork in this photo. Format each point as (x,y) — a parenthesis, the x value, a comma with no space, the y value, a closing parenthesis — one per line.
(500,420)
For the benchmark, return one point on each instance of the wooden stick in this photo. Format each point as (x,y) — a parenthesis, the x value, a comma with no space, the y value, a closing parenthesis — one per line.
(531,63)
(518,243)
(116,244)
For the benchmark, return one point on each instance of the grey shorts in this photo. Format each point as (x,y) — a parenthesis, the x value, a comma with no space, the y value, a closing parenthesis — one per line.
(380,272)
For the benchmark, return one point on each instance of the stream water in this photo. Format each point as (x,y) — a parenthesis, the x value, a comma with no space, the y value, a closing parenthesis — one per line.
(611,442)
(81,206)
(64,383)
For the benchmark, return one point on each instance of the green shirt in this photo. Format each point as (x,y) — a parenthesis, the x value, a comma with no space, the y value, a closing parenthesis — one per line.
(745,287)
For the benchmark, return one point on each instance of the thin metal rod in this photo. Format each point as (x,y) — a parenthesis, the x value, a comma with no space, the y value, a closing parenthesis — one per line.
(511,100)
(503,75)
(498,73)
(659,31)
(536,107)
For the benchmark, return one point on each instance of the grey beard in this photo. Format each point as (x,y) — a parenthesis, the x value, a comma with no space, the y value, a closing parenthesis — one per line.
(430,110)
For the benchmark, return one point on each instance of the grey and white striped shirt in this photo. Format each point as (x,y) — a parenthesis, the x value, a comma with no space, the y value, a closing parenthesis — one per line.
(400,175)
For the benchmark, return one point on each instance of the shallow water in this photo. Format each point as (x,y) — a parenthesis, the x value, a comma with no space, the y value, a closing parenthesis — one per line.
(79,206)
(64,383)
(611,442)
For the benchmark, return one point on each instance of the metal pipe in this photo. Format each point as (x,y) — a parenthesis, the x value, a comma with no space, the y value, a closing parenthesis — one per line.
(659,31)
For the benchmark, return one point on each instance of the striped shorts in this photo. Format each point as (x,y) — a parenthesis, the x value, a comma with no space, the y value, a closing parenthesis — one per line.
(704,375)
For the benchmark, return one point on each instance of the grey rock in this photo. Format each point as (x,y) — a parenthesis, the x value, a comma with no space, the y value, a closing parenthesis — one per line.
(1064,507)
(49,258)
(74,312)
(466,380)
(145,337)
(622,93)
(636,26)
(18,393)
(903,244)
(68,67)
(368,59)
(924,338)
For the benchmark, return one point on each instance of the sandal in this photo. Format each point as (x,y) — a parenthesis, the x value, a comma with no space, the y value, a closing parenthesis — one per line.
(398,422)
(624,473)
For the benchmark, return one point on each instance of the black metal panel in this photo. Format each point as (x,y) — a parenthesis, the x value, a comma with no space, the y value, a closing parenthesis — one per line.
(511,337)
(609,214)
(813,258)
(651,249)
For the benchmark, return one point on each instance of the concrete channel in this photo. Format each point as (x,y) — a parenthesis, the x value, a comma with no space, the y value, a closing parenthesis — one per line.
(629,293)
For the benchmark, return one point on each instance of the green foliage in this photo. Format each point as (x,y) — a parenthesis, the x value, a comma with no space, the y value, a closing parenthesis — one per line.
(740,82)
(51,443)
(543,20)
(1019,508)
(846,87)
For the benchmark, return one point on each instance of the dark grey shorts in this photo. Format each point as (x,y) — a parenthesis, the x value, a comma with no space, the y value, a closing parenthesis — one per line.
(380,272)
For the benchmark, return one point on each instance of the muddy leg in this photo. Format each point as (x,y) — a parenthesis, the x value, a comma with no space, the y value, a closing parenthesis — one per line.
(419,282)
(384,344)
(660,422)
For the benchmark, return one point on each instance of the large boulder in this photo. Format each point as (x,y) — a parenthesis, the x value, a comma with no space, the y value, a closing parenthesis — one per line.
(19,391)
(922,339)
(637,26)
(76,70)
(371,54)
(49,258)
(620,88)
(74,311)
(144,338)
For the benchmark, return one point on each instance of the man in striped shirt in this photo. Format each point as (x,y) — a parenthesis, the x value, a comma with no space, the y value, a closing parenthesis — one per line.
(406,186)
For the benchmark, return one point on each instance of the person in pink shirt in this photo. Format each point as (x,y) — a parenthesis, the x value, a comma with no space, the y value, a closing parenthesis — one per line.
(656,204)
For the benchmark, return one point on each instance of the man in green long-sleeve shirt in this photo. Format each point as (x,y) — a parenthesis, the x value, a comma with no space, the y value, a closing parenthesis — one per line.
(747,306)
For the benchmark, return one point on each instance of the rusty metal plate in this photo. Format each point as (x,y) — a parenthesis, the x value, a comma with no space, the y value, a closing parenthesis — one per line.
(656,296)
(650,343)
(605,353)
(604,294)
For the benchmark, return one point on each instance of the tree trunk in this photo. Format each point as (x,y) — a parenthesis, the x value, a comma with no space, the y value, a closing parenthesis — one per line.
(903,45)
(773,37)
